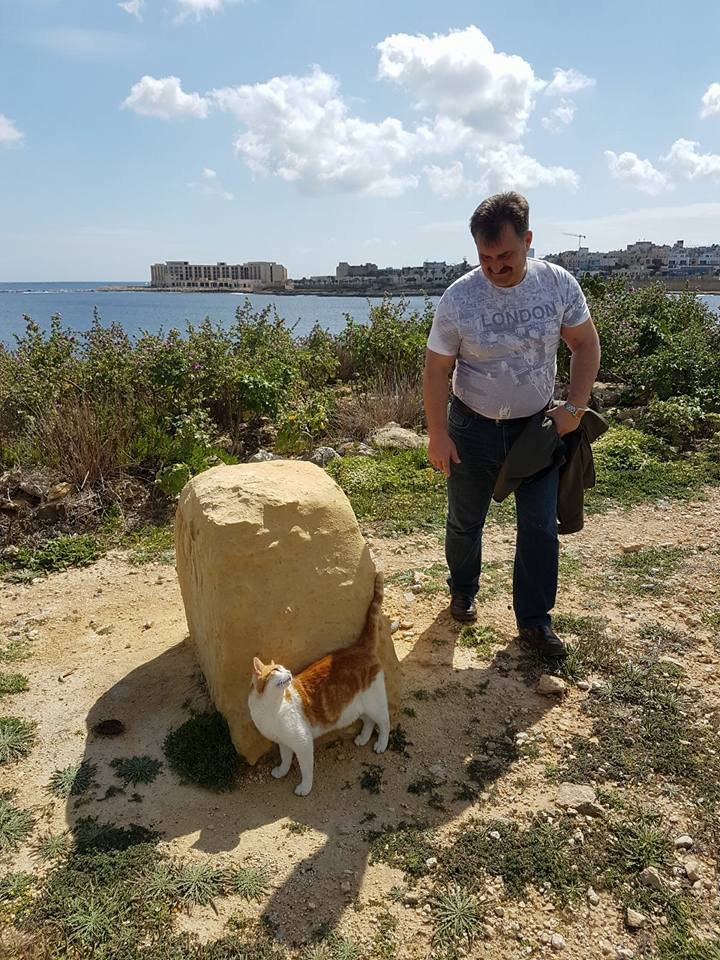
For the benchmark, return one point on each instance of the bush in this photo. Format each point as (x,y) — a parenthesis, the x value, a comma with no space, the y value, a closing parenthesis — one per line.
(680,420)
(390,347)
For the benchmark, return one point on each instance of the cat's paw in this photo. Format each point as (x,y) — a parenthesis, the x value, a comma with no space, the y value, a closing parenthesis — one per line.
(360,741)
(279,772)
(303,789)
(380,747)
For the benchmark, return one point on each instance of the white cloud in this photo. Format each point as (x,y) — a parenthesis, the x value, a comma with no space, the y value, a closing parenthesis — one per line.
(685,160)
(164,98)
(9,133)
(209,173)
(565,82)
(637,172)
(559,118)
(501,167)
(132,7)
(711,101)
(300,130)
(198,8)
(460,74)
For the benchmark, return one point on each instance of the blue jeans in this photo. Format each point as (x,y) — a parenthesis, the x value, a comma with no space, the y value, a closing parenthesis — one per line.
(482,446)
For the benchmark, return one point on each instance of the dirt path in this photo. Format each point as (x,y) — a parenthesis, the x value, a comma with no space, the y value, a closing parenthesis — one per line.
(109,641)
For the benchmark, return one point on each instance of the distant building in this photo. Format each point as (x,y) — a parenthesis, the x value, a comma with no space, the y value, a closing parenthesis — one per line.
(183,275)
(643,259)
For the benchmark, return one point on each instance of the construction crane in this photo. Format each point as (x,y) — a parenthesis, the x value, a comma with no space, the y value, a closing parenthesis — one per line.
(580,237)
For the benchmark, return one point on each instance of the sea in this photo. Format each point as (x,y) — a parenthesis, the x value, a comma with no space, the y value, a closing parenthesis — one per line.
(151,311)
(139,311)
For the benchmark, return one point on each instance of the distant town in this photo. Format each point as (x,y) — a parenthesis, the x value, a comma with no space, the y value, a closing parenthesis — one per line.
(642,261)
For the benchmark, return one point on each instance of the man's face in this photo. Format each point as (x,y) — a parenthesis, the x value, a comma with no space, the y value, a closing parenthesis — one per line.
(503,262)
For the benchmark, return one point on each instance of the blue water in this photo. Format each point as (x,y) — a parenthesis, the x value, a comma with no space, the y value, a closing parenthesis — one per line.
(142,310)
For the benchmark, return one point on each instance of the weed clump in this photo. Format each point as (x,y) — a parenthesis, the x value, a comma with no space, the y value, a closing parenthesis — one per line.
(17,737)
(201,752)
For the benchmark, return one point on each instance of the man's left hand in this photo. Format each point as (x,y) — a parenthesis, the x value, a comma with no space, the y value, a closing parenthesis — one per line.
(564,422)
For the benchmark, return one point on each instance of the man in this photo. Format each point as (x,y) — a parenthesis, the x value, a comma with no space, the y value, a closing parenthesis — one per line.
(499,327)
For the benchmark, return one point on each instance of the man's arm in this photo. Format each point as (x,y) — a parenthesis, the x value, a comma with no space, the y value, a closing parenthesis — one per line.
(584,345)
(441,450)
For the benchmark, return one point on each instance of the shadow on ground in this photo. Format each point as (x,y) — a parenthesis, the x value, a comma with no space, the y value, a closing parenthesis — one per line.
(456,712)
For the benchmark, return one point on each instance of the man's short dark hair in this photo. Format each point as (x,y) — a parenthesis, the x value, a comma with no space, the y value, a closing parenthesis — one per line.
(488,220)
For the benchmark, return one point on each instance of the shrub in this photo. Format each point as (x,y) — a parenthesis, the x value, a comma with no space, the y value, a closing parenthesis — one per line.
(391,346)
(680,420)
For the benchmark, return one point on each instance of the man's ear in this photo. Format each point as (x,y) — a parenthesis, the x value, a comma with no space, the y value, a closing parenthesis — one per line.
(258,666)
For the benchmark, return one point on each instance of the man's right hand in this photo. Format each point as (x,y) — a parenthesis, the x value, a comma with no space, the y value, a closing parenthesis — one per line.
(441,451)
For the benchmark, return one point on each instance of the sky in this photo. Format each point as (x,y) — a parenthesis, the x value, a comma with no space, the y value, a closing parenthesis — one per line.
(310,131)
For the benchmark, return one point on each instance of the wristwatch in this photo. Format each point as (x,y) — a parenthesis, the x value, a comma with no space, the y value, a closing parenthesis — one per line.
(574,411)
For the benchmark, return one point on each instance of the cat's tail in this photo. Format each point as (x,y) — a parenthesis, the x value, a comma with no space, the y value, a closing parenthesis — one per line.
(371,633)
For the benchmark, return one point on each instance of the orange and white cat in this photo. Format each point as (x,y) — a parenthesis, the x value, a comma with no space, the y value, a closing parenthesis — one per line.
(335,691)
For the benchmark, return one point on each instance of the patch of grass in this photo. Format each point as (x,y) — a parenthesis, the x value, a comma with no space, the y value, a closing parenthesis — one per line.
(292,826)
(646,571)
(69,550)
(198,883)
(632,467)
(406,847)
(91,920)
(433,579)
(538,854)
(135,770)
(662,639)
(201,752)
(15,824)
(249,882)
(639,843)
(92,836)
(151,544)
(590,650)
(371,779)
(684,946)
(13,683)
(52,846)
(74,780)
(14,650)
(457,916)
(477,638)
(17,737)
(14,886)
(712,618)
(496,575)
(397,490)
(427,786)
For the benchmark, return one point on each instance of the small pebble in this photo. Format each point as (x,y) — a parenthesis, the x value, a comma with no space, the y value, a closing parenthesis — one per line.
(557,942)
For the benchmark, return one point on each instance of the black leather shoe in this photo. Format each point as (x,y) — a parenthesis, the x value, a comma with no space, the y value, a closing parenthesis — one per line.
(463,609)
(543,640)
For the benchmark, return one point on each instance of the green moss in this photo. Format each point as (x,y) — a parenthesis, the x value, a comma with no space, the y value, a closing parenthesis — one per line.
(201,752)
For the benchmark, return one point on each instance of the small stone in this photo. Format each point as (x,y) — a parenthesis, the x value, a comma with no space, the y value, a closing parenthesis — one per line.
(606,948)
(103,631)
(407,624)
(634,919)
(499,911)
(323,455)
(624,953)
(394,626)
(59,491)
(262,456)
(593,897)
(345,886)
(557,942)
(693,870)
(411,899)
(148,624)
(311,905)
(632,547)
(685,842)
(551,686)
(494,835)
(580,797)
(431,863)
(583,685)
(439,772)
(650,877)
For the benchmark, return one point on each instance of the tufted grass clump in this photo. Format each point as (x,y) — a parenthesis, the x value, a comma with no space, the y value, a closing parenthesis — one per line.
(457,916)
(73,780)
(17,737)
(250,883)
(13,683)
(135,770)
(201,752)
(15,824)
(198,883)
(53,846)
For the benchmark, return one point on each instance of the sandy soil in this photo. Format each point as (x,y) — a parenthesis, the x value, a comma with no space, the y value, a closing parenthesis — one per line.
(110,641)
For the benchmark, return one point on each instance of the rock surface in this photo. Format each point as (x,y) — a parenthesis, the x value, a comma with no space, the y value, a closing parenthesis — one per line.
(550,686)
(393,436)
(580,797)
(271,563)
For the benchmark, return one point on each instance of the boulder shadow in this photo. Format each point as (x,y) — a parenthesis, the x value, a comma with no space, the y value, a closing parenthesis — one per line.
(317,848)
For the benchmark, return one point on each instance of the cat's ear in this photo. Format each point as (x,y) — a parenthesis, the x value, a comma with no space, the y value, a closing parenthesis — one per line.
(257,666)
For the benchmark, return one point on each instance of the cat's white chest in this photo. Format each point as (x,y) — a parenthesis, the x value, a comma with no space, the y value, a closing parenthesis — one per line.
(275,720)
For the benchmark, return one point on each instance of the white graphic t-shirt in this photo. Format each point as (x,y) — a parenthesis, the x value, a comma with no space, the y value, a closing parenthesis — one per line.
(506,339)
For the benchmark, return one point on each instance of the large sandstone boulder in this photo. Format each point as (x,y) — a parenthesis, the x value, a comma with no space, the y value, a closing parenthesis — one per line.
(271,563)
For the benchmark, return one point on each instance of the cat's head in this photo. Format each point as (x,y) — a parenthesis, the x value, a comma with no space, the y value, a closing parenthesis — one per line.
(270,676)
